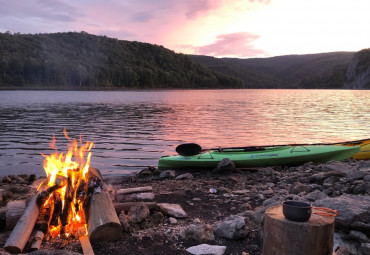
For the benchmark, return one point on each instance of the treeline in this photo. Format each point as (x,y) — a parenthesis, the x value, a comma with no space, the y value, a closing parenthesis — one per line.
(84,61)
(310,71)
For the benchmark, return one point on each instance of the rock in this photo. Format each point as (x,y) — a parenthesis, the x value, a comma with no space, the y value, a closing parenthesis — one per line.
(18,189)
(206,249)
(344,246)
(359,236)
(338,166)
(157,218)
(174,210)
(225,165)
(365,248)
(124,222)
(233,227)
(187,176)
(268,192)
(172,221)
(146,172)
(362,188)
(268,171)
(168,174)
(138,213)
(273,200)
(354,211)
(367,178)
(316,195)
(196,220)
(342,250)
(330,181)
(356,175)
(323,175)
(198,233)
(241,191)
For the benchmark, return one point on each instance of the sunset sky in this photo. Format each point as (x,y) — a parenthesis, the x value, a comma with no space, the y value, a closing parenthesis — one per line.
(235,28)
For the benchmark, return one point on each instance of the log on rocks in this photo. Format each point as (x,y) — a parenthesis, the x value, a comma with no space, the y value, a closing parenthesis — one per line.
(282,236)
(139,194)
(103,223)
(21,232)
(126,206)
(14,210)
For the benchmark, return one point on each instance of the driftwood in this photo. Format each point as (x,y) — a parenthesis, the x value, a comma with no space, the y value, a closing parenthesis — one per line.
(135,194)
(283,236)
(14,210)
(86,245)
(21,232)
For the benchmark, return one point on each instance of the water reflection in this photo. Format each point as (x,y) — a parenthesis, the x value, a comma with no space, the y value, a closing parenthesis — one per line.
(133,129)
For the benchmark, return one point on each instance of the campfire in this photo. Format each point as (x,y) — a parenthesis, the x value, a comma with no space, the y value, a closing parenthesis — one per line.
(71,203)
(62,203)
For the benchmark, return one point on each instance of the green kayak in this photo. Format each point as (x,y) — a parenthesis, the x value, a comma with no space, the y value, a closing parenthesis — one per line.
(260,156)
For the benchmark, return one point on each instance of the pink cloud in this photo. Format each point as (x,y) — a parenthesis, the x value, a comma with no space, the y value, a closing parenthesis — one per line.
(198,7)
(234,44)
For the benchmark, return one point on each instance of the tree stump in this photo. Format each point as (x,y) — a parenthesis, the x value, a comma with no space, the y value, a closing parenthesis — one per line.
(285,237)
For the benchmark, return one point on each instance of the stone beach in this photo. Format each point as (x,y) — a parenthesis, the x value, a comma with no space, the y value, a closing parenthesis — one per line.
(215,212)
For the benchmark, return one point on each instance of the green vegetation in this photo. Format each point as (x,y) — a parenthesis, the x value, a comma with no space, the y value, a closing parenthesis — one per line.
(312,71)
(84,61)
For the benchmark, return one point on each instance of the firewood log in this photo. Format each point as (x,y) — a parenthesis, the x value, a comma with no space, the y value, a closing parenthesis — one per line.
(102,220)
(103,223)
(57,211)
(37,240)
(21,232)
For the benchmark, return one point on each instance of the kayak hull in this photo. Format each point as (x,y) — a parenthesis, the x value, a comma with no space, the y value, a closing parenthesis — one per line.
(364,152)
(268,156)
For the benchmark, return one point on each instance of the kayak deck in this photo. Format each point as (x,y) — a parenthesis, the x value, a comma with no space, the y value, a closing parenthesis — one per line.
(260,156)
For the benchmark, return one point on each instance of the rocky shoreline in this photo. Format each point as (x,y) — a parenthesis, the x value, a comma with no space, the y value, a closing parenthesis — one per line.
(220,212)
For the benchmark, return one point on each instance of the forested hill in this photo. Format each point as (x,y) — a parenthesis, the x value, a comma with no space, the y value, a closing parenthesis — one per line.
(324,70)
(84,61)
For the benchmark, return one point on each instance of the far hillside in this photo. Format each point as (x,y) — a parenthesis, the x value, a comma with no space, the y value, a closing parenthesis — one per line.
(292,71)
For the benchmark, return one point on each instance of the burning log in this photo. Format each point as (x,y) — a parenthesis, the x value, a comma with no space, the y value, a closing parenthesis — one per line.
(21,232)
(57,210)
(42,224)
(67,204)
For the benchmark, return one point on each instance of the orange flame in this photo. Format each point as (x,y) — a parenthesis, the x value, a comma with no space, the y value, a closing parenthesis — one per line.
(73,167)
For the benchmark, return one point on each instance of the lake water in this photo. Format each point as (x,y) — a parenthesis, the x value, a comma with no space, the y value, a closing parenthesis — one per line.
(133,129)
